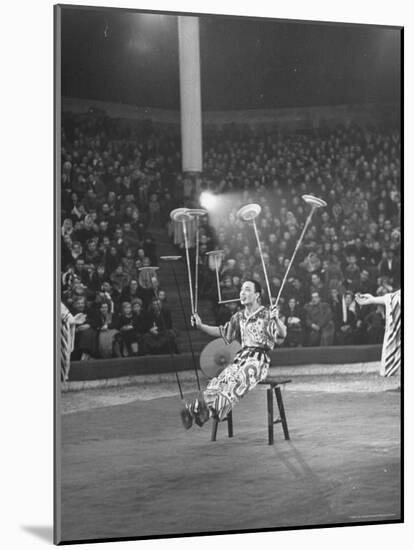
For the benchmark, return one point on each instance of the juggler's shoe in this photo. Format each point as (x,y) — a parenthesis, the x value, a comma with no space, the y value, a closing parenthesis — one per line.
(202,413)
(186,417)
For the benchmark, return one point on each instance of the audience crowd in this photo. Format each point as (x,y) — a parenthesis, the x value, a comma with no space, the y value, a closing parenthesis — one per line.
(120,180)
(353,245)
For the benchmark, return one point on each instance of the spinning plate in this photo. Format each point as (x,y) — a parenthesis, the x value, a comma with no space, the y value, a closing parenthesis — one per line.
(315,202)
(176,212)
(197,212)
(249,212)
(170,258)
(215,253)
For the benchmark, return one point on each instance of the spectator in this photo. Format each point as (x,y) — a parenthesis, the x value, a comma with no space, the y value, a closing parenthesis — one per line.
(85,335)
(319,322)
(318,286)
(352,273)
(105,325)
(160,338)
(141,319)
(346,324)
(374,323)
(128,337)
(293,317)
(366,285)
(119,279)
(390,268)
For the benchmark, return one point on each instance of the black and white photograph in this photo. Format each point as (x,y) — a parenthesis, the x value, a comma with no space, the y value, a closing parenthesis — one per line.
(228,271)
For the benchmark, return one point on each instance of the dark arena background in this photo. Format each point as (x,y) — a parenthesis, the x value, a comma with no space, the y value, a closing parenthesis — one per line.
(167,126)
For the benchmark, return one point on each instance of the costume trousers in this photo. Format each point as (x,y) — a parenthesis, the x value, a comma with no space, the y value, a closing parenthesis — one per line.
(250,366)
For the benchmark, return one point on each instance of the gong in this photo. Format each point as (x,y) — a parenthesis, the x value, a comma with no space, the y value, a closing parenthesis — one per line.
(216,356)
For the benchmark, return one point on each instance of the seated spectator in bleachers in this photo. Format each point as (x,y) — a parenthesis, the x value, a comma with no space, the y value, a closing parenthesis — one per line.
(346,322)
(296,289)
(352,273)
(85,335)
(130,235)
(366,284)
(384,286)
(150,248)
(67,227)
(112,259)
(98,278)
(105,325)
(128,336)
(389,267)
(66,251)
(319,322)
(141,318)
(311,263)
(89,229)
(148,285)
(154,211)
(128,262)
(335,303)
(331,273)
(375,254)
(131,292)
(80,270)
(293,317)
(107,295)
(374,325)
(316,285)
(160,339)
(119,279)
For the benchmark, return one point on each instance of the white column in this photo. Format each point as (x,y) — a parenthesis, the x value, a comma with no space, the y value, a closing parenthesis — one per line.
(190,93)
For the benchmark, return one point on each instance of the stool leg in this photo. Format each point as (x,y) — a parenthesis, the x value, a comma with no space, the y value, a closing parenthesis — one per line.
(282,411)
(230,424)
(214,429)
(270,415)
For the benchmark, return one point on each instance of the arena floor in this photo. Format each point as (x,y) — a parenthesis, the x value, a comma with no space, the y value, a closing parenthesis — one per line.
(129,469)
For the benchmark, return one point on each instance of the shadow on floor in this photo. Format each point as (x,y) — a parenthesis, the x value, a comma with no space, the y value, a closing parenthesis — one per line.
(44,532)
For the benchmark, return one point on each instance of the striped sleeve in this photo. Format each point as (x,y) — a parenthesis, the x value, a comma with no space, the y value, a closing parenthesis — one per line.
(391,350)
(67,339)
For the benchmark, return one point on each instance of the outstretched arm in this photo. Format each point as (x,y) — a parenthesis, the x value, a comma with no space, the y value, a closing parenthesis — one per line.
(367,299)
(211,331)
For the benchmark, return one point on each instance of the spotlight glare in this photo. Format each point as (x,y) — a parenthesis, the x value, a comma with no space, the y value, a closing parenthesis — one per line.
(208,200)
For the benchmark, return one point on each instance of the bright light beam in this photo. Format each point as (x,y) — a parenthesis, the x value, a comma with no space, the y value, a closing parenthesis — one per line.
(208,200)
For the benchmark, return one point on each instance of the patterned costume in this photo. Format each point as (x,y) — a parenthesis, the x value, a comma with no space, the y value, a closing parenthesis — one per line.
(257,334)
(67,340)
(391,349)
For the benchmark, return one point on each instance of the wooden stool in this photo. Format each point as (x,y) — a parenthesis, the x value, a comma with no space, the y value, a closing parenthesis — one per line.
(275,384)
(216,421)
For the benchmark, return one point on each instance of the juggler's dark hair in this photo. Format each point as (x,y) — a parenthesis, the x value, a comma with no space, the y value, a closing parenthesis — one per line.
(257,286)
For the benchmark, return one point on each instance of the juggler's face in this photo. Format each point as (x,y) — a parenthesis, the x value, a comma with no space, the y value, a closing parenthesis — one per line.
(248,295)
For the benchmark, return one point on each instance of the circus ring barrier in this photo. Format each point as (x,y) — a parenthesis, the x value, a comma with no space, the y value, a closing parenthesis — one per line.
(153,368)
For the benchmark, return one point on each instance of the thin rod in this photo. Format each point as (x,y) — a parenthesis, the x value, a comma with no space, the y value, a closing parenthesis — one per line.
(196,263)
(155,291)
(186,327)
(218,279)
(294,253)
(263,263)
(187,255)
